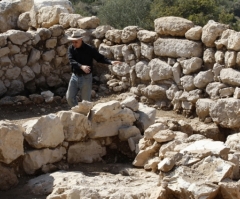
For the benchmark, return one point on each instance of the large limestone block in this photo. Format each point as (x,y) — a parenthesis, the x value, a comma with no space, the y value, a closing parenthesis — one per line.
(147,50)
(86,152)
(147,36)
(202,108)
(187,83)
(142,70)
(75,125)
(233,141)
(210,168)
(211,31)
(225,112)
(213,89)
(129,34)
(146,154)
(166,164)
(160,70)
(88,22)
(36,159)
(67,20)
(194,33)
(130,102)
(83,107)
(191,65)
(164,136)
(230,76)
(18,37)
(23,21)
(114,36)
(11,141)
(127,132)
(100,31)
(27,74)
(203,78)
(34,56)
(147,115)
(46,13)
(105,50)
(186,183)
(10,10)
(174,26)
(101,112)
(122,69)
(153,129)
(177,48)
(216,147)
(46,131)
(124,118)
(155,92)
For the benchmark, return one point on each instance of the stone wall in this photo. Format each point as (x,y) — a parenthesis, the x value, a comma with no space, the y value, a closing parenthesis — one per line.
(178,66)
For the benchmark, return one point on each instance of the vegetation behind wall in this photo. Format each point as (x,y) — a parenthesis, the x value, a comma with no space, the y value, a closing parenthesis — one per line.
(122,13)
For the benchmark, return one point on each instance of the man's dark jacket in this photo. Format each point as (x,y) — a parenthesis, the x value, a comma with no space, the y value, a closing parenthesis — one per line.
(84,56)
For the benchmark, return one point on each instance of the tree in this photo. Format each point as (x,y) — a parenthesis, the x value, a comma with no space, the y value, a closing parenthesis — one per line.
(198,11)
(122,13)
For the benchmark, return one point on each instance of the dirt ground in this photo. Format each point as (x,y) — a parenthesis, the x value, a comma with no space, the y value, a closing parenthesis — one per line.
(22,113)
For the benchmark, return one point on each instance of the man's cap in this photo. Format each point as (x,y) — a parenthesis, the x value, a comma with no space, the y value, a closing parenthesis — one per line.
(75,36)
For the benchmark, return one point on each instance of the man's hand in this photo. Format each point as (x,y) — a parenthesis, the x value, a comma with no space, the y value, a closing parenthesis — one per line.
(115,62)
(85,68)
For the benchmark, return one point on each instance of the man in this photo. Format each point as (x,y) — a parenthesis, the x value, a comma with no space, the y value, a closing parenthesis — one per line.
(81,57)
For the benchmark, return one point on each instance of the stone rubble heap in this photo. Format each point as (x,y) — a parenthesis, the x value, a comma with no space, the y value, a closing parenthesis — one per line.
(189,163)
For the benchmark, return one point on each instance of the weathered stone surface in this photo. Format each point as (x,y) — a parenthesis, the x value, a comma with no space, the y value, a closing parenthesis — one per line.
(177,48)
(174,26)
(146,154)
(88,22)
(211,31)
(46,13)
(194,33)
(18,37)
(130,102)
(86,152)
(23,21)
(10,11)
(94,187)
(114,35)
(36,159)
(10,135)
(216,147)
(129,34)
(164,136)
(146,36)
(202,108)
(83,107)
(230,76)
(225,112)
(44,132)
(184,185)
(155,92)
(233,141)
(75,126)
(127,132)
(191,65)
(160,70)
